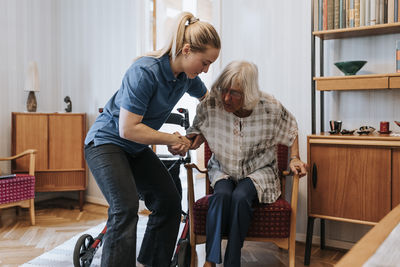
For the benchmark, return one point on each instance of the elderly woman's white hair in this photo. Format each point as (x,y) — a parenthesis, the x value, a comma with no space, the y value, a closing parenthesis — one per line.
(243,73)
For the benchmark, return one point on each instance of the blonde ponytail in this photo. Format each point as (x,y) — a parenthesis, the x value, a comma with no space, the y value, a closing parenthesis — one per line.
(189,30)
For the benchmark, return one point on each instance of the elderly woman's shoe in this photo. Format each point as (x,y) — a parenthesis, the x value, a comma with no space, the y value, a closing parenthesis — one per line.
(209,264)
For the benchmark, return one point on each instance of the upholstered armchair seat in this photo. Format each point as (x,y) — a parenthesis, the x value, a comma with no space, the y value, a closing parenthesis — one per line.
(22,187)
(269,220)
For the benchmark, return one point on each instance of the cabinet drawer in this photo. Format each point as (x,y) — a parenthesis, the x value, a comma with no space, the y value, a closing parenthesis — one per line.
(394,82)
(60,181)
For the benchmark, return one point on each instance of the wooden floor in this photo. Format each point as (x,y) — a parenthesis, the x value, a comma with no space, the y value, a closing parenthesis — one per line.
(58,220)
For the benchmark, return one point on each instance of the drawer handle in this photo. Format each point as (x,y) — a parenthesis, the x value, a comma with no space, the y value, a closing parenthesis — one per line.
(314,175)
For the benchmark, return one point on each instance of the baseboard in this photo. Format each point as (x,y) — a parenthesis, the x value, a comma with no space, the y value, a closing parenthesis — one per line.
(96,200)
(328,242)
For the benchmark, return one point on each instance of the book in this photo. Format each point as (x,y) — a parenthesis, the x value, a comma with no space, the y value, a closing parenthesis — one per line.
(342,14)
(351,14)
(320,13)
(356,13)
(395,11)
(336,19)
(367,12)
(390,11)
(325,15)
(362,12)
(316,15)
(331,14)
(372,17)
(6,176)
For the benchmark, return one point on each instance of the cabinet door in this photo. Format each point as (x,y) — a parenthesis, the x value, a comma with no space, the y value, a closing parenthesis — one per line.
(353,182)
(66,133)
(30,132)
(395,178)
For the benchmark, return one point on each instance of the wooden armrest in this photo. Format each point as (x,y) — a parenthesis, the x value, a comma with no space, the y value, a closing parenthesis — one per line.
(30,152)
(192,165)
(26,152)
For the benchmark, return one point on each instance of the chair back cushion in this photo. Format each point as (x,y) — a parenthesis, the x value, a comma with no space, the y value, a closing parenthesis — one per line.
(269,220)
(15,189)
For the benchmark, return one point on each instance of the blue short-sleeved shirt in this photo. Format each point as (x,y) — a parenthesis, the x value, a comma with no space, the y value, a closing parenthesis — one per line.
(149,89)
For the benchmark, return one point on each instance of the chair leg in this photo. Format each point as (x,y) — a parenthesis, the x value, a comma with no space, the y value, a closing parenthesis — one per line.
(322,244)
(32,211)
(292,250)
(193,256)
(310,228)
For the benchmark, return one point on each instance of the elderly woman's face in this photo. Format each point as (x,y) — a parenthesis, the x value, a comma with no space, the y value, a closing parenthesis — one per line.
(232,98)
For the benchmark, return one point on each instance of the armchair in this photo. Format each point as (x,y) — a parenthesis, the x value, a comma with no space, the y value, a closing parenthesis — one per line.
(274,222)
(20,190)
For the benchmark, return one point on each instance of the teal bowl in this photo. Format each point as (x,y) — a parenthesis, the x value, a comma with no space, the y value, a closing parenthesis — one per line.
(350,67)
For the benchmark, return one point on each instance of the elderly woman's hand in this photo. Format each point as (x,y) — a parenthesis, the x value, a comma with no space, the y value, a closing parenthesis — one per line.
(298,167)
(197,140)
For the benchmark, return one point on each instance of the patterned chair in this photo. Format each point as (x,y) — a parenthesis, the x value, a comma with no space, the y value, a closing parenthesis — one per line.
(20,190)
(274,222)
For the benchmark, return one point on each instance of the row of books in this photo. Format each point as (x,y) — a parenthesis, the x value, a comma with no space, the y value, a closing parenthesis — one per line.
(339,14)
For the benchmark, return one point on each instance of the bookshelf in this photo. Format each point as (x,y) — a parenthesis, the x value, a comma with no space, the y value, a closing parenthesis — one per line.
(337,189)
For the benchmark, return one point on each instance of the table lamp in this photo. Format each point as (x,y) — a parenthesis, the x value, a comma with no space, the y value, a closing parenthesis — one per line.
(32,86)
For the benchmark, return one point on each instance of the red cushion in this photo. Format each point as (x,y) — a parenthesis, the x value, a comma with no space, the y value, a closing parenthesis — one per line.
(18,188)
(269,220)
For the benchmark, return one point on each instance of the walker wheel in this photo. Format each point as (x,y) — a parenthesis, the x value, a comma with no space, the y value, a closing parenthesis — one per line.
(81,248)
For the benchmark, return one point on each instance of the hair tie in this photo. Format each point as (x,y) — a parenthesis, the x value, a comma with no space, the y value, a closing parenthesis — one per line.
(193,20)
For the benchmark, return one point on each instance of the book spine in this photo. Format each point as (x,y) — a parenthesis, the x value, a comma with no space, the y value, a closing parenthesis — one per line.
(377,11)
(385,11)
(356,13)
(362,12)
(330,14)
(351,13)
(395,11)
(336,19)
(341,13)
(381,12)
(347,13)
(390,11)
(325,15)
(315,13)
(320,15)
(398,11)
(367,12)
(372,13)
(398,56)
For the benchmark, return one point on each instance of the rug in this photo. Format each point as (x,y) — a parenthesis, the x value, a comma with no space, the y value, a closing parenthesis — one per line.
(62,255)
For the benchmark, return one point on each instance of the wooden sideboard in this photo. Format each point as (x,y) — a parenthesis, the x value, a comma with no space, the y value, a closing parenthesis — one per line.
(59,140)
(353,178)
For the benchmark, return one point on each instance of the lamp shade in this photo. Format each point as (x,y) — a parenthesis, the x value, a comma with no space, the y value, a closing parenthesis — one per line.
(32,78)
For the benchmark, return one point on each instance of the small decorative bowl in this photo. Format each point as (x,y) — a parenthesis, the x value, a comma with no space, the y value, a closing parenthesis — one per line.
(365,130)
(350,67)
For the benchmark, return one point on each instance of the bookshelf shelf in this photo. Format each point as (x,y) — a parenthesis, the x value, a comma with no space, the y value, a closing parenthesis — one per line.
(358,82)
(379,29)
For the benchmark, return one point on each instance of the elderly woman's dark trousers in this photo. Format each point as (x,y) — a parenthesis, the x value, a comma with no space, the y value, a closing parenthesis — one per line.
(229,213)
(120,177)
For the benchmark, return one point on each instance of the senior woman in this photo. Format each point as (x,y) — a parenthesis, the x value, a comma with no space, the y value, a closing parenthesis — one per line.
(242,126)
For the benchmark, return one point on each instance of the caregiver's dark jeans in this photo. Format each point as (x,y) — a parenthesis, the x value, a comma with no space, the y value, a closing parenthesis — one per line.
(120,177)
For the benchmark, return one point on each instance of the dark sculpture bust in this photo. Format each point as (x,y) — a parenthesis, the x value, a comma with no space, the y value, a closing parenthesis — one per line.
(67,100)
